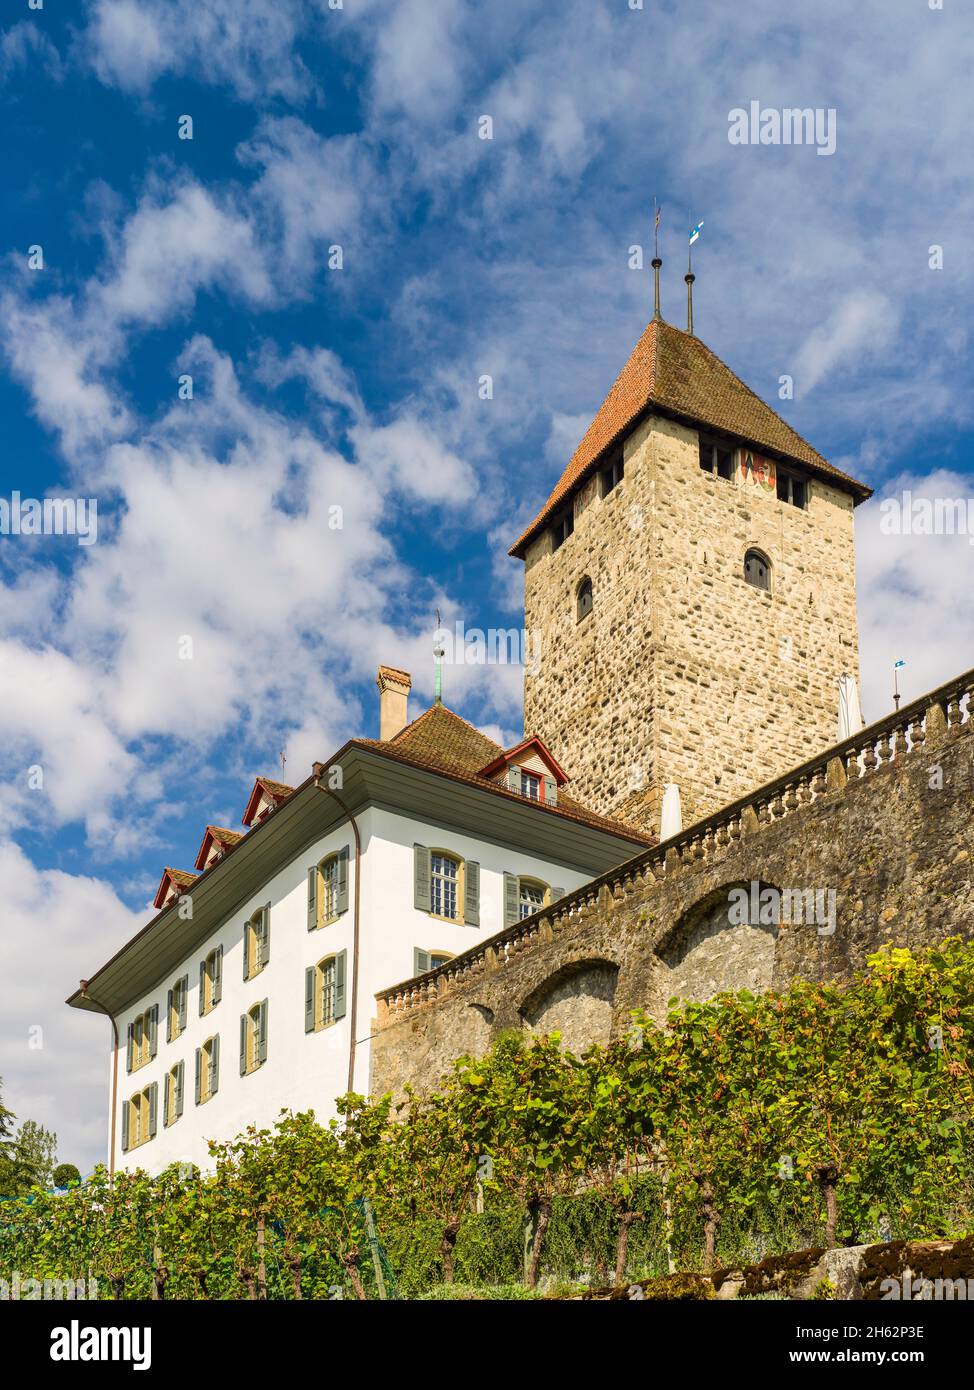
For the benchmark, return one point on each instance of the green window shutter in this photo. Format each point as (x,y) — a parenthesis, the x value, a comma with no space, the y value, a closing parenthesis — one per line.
(471,893)
(246,935)
(511,912)
(153,1109)
(183,996)
(243,1043)
(169,1017)
(421,961)
(514,779)
(202,983)
(199,1069)
(550,791)
(153,1030)
(421,878)
(262,1042)
(309,999)
(125,1126)
(215,1066)
(313,897)
(340,984)
(265,934)
(218,976)
(128,1047)
(180,1070)
(557,893)
(342,892)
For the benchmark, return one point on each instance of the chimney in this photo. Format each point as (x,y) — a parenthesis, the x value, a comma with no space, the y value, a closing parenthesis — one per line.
(394,687)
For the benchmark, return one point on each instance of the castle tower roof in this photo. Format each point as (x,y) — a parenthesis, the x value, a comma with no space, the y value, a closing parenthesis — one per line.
(675,374)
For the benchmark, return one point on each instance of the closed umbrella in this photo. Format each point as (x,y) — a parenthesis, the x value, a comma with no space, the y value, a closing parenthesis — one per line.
(671,816)
(850,710)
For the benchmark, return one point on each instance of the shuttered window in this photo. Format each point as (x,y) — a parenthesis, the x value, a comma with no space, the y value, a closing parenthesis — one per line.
(324,993)
(253,1038)
(531,896)
(211,980)
(207,1070)
(143,1038)
(176,1008)
(328,889)
(172,1106)
(428,960)
(444,886)
(257,942)
(757,570)
(139,1117)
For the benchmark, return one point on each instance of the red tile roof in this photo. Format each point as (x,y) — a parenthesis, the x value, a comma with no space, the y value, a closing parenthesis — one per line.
(677,374)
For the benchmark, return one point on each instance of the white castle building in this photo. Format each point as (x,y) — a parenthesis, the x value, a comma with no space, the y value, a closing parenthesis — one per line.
(253,987)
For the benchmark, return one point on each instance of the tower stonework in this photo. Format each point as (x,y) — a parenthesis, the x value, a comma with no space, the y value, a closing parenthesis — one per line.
(680,667)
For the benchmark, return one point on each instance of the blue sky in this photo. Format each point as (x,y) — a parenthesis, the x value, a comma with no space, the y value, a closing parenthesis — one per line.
(358,387)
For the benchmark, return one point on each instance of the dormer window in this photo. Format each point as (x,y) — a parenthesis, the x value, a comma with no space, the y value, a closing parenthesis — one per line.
(562,528)
(717,458)
(530,784)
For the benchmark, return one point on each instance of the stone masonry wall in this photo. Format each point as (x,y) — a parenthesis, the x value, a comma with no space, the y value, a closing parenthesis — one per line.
(683,672)
(894,842)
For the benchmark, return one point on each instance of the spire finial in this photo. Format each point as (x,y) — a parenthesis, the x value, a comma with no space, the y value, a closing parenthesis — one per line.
(656,266)
(690,277)
(438,660)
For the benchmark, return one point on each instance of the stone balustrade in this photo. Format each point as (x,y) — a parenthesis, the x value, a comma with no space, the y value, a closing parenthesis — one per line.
(920,727)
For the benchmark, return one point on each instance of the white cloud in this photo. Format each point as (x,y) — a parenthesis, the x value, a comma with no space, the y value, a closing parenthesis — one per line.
(55,925)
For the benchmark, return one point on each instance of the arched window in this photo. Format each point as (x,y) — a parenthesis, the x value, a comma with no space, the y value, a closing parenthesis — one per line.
(445,885)
(757,570)
(583,599)
(531,896)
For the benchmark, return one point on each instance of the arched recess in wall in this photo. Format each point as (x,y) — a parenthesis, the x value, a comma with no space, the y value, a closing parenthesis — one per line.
(719,945)
(576,1001)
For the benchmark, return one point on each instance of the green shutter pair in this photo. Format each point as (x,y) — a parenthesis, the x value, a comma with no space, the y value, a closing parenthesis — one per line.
(512,898)
(261,1040)
(310,981)
(174,1079)
(262,931)
(341,891)
(422,892)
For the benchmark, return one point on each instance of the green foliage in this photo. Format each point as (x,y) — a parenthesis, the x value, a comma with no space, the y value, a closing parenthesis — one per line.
(748,1127)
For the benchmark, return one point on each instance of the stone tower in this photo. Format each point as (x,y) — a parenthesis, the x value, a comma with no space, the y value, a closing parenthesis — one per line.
(692,577)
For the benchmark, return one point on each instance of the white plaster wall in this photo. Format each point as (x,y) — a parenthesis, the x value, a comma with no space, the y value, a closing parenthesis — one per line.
(308,1070)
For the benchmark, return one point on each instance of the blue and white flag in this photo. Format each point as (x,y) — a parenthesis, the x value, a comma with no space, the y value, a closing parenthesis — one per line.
(695,233)
(898,664)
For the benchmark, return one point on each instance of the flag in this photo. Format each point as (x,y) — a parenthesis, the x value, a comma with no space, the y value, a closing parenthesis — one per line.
(695,233)
(658,211)
(898,664)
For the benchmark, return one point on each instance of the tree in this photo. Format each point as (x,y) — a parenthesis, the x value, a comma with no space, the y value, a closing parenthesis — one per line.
(66,1175)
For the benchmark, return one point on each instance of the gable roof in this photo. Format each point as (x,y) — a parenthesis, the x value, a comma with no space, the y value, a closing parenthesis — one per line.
(677,374)
(177,878)
(218,835)
(277,791)
(528,745)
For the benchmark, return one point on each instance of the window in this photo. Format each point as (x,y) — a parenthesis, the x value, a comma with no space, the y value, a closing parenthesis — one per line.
(792,489)
(142,1038)
(757,570)
(211,980)
(172,1102)
(562,528)
(176,1009)
(139,1118)
(324,993)
(207,1070)
(328,889)
(257,942)
(583,600)
(428,960)
(531,896)
(253,1038)
(717,457)
(536,786)
(611,475)
(446,885)
(524,896)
